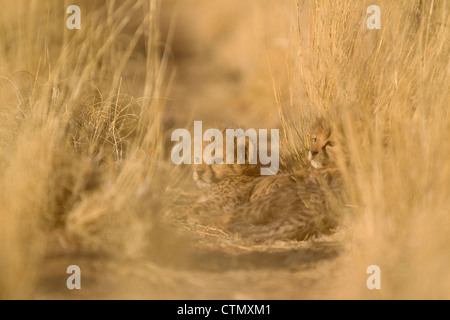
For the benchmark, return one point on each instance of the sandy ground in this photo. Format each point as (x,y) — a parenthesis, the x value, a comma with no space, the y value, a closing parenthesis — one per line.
(219,269)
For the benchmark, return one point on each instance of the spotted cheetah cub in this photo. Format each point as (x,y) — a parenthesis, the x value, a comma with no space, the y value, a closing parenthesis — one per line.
(322,153)
(281,207)
(227,187)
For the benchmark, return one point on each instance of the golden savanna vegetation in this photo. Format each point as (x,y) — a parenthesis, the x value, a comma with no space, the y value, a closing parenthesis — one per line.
(86,117)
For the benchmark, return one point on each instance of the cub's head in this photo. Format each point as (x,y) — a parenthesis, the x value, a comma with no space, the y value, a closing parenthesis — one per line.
(207,175)
(322,152)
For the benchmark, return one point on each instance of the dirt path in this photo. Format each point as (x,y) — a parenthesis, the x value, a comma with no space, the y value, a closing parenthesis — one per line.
(222,269)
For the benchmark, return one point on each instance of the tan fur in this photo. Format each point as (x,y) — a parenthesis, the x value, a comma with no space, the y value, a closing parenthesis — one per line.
(206,176)
(284,206)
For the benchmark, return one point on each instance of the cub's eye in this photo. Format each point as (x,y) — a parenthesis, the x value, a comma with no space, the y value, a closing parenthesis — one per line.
(314,139)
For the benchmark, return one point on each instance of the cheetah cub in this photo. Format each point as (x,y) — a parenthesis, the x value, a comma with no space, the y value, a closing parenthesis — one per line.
(292,206)
(322,153)
(227,187)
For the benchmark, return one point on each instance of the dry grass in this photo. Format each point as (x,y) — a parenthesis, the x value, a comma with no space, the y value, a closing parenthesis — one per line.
(387,92)
(79,153)
(82,142)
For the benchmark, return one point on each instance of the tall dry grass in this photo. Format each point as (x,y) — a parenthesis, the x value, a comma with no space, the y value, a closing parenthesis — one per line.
(81,142)
(387,92)
(81,145)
